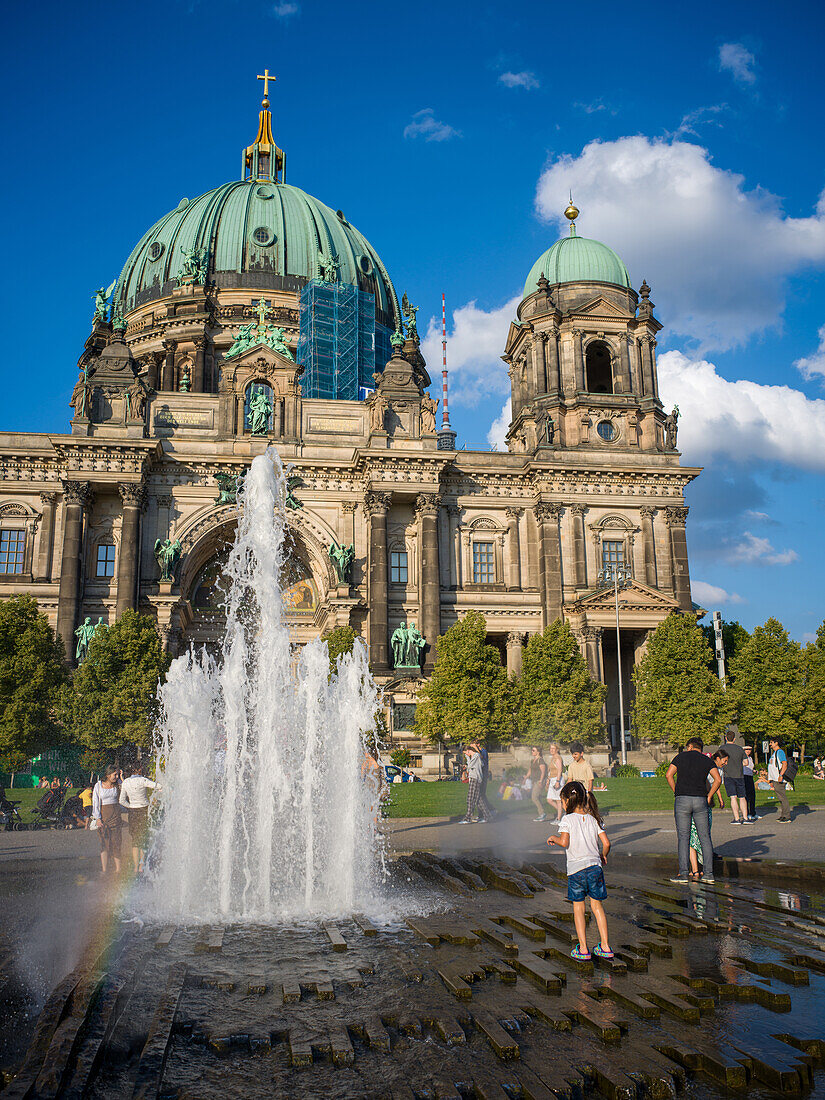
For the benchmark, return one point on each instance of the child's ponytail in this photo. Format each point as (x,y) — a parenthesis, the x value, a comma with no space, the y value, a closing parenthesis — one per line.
(575,794)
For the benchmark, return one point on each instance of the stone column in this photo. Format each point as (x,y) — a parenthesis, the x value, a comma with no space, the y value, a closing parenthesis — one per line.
(675,519)
(539,362)
(647,364)
(579,562)
(513,550)
(578,360)
(454,513)
(377,505)
(653,372)
(648,546)
(636,366)
(132,494)
(593,644)
(77,497)
(515,646)
(197,373)
(550,579)
(44,558)
(426,506)
(552,361)
(625,381)
(167,383)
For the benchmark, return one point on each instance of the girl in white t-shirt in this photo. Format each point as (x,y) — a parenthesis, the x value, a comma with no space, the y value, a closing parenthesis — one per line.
(581,832)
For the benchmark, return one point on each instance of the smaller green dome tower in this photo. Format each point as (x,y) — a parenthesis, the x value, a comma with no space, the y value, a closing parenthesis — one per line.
(575,259)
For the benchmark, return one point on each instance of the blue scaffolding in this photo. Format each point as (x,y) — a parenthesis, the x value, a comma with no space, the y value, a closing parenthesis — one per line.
(338,340)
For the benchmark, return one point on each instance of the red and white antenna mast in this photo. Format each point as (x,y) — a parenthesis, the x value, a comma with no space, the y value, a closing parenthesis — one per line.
(445,411)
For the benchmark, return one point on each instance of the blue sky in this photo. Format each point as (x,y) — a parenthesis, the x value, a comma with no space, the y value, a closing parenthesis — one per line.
(449,135)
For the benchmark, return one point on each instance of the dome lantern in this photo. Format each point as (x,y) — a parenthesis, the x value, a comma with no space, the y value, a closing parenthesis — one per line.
(263,160)
(576,259)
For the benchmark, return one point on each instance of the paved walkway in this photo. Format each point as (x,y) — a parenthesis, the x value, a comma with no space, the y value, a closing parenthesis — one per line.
(640,833)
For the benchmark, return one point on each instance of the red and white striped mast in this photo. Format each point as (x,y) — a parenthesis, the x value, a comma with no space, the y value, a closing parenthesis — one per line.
(445,412)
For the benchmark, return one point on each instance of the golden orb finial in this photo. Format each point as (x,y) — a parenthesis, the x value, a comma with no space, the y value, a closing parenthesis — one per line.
(571,213)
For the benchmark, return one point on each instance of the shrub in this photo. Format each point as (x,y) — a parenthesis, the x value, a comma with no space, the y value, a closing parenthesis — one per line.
(662,768)
(401,758)
(627,771)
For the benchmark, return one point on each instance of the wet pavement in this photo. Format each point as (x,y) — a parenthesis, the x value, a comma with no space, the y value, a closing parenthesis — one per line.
(474,994)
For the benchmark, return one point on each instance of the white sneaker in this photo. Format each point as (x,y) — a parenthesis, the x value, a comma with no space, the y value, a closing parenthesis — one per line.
(542,818)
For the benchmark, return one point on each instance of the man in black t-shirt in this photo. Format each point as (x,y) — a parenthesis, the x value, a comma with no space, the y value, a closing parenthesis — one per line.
(688,778)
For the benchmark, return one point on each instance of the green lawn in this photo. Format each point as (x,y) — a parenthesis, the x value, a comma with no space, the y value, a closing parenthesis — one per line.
(28,797)
(623,795)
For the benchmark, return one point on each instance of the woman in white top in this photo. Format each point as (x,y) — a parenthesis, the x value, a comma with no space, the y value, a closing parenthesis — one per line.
(555,774)
(134,797)
(106,812)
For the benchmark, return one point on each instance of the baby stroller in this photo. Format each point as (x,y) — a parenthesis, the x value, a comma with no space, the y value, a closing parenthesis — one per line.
(47,810)
(9,816)
(71,815)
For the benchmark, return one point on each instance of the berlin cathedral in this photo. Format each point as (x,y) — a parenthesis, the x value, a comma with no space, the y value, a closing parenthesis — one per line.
(256,316)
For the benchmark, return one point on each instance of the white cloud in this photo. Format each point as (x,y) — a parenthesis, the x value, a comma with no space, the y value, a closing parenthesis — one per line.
(742,421)
(474,350)
(735,59)
(814,364)
(717,255)
(425,124)
(524,79)
(285,10)
(808,638)
(497,435)
(752,550)
(697,117)
(709,594)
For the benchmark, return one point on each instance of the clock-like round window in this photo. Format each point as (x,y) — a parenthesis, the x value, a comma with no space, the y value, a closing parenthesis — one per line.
(263,236)
(606,431)
(264,191)
(365,263)
(155,250)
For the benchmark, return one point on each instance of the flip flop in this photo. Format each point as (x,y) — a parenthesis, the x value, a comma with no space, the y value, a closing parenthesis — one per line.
(578,955)
(600,952)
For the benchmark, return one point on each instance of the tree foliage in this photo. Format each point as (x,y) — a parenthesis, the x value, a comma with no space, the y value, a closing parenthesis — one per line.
(468,695)
(677,695)
(113,698)
(339,641)
(32,670)
(767,683)
(813,721)
(556,696)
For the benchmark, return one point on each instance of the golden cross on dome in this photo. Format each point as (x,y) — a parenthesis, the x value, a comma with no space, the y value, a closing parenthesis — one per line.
(262,311)
(266,79)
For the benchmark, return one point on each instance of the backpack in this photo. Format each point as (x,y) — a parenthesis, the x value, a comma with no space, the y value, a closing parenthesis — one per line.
(790,772)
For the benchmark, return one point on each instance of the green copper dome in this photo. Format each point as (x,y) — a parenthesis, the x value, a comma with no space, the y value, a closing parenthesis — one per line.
(260,234)
(577,260)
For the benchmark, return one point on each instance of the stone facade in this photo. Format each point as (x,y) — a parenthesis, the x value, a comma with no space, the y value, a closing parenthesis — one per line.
(591,477)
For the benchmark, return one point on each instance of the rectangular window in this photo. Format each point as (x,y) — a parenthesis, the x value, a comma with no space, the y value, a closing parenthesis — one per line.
(398,567)
(105,560)
(12,551)
(484,563)
(612,556)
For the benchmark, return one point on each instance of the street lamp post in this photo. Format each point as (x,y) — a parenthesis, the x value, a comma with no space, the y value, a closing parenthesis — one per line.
(619,576)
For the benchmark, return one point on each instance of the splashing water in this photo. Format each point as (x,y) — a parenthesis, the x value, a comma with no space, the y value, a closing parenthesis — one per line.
(267,811)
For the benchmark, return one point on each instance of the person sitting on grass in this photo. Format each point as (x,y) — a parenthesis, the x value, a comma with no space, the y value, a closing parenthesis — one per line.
(581,832)
(819,769)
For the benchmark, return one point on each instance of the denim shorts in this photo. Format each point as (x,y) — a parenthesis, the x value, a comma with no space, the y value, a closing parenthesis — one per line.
(589,882)
(735,787)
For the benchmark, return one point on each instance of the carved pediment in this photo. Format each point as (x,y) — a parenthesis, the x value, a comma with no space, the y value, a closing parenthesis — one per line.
(636,597)
(259,361)
(603,309)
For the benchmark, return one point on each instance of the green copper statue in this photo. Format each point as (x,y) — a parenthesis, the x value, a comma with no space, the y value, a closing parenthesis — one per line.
(194,264)
(274,338)
(342,558)
(260,411)
(407,646)
(102,301)
(409,312)
(243,341)
(185,381)
(84,634)
(330,264)
(228,486)
(291,500)
(167,555)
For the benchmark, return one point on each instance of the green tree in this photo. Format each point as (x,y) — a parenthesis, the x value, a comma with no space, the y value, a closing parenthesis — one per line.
(468,695)
(32,670)
(556,697)
(677,695)
(767,683)
(113,700)
(813,669)
(734,636)
(339,641)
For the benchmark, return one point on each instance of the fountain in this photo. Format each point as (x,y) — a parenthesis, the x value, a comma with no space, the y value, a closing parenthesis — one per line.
(268,815)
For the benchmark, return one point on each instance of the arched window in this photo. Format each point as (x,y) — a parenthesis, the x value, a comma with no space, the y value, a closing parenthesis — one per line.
(252,414)
(598,372)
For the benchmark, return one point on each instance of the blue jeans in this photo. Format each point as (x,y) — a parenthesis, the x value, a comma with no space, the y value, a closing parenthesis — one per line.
(687,808)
